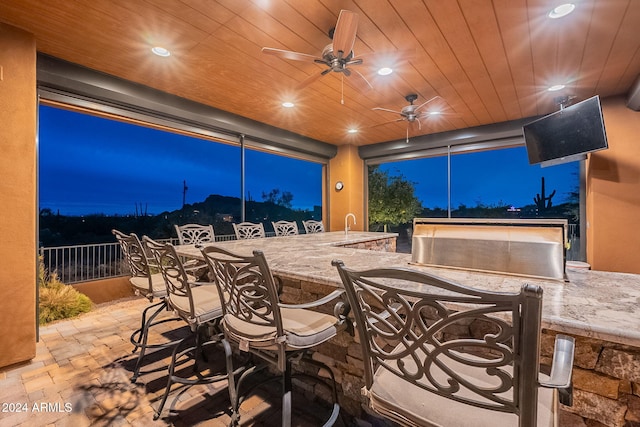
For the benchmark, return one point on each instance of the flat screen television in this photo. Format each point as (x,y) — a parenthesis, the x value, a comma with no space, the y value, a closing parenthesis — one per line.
(566,135)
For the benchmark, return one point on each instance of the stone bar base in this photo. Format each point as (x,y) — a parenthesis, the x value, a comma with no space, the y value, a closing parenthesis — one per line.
(606,376)
(606,381)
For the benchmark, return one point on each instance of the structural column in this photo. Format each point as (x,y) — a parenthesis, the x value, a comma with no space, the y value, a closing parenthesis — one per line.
(347,168)
(18,206)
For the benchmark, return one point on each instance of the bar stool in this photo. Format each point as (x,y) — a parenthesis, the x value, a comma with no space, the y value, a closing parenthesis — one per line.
(146,280)
(249,230)
(198,304)
(313,226)
(418,372)
(195,234)
(257,323)
(285,228)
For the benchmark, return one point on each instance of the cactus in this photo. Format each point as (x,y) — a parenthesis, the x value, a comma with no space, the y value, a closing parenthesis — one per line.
(543,202)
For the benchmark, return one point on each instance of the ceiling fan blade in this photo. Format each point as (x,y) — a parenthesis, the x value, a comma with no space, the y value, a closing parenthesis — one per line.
(312,78)
(435,115)
(344,35)
(359,81)
(386,109)
(425,103)
(287,54)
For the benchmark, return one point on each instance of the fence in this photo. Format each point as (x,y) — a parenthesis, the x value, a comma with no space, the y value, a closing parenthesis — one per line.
(84,263)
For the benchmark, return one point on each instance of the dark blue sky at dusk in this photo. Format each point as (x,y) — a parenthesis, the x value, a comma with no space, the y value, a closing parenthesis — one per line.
(91,165)
(488,177)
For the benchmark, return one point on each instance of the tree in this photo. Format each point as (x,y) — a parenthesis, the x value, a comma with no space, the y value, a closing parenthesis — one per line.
(281,199)
(572,211)
(391,199)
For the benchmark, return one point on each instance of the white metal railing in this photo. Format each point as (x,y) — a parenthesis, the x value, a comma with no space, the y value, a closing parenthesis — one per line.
(84,263)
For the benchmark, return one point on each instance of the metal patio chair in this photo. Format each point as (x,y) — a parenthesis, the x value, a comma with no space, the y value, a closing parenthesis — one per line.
(285,228)
(257,323)
(313,226)
(198,304)
(146,280)
(419,371)
(195,234)
(249,230)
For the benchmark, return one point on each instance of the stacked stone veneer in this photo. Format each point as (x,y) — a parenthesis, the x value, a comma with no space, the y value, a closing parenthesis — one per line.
(382,245)
(606,376)
(342,353)
(606,380)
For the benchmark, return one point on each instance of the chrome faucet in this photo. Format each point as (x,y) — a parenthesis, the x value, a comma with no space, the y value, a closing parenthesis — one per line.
(346,223)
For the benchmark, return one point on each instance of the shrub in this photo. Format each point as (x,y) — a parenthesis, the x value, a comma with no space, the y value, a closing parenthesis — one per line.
(57,300)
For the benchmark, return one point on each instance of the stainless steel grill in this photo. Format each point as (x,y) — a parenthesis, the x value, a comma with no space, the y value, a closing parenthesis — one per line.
(523,247)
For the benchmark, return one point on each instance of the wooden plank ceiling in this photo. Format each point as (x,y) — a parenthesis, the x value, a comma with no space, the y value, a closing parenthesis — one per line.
(489,60)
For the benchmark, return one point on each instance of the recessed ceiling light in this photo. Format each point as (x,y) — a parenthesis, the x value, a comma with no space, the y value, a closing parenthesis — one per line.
(562,10)
(385,71)
(555,88)
(434,113)
(160,51)
(288,104)
(353,130)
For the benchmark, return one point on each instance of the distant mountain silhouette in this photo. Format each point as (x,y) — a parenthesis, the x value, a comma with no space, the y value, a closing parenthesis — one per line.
(220,211)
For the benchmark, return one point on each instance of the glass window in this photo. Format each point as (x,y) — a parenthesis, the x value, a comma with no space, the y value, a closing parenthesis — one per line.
(493,184)
(502,184)
(281,188)
(429,178)
(96,174)
(93,165)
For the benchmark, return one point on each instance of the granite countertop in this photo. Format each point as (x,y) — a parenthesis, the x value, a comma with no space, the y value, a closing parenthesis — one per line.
(595,304)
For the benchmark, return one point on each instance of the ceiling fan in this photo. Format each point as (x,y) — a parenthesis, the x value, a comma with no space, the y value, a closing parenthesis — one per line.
(337,56)
(411,113)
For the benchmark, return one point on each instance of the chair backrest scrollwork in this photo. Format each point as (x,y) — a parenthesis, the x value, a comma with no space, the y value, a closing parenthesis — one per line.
(195,234)
(285,228)
(249,297)
(406,320)
(175,277)
(249,230)
(313,226)
(137,259)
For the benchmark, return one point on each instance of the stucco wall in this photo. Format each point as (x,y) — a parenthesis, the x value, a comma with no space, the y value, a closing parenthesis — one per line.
(348,168)
(613,193)
(17,195)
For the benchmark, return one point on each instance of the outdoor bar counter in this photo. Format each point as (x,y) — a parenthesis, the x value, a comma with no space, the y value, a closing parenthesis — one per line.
(600,309)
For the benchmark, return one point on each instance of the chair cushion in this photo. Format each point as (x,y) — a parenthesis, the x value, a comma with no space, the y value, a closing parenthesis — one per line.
(307,328)
(404,402)
(302,328)
(141,284)
(206,303)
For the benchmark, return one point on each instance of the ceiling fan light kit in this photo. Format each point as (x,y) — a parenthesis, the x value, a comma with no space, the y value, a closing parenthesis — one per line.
(411,113)
(338,57)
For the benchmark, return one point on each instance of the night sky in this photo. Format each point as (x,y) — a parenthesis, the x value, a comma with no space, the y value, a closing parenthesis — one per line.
(91,165)
(488,177)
